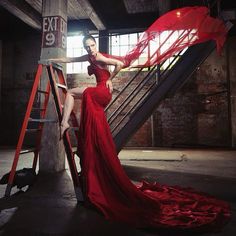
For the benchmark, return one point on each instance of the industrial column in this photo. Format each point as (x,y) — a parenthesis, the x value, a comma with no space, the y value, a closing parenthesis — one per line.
(54,32)
(232,80)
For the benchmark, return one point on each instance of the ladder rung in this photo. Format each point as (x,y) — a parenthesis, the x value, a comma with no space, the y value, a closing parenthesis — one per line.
(32,130)
(27,151)
(61,86)
(43,120)
(42,91)
(38,109)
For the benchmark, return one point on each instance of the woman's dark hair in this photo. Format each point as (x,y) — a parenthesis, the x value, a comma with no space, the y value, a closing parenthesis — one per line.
(88,36)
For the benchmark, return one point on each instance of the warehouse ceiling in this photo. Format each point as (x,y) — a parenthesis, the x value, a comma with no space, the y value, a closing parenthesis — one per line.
(112,15)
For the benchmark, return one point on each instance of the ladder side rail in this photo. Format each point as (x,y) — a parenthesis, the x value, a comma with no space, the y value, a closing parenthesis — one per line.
(71,161)
(66,139)
(74,120)
(23,131)
(75,123)
(39,136)
(61,78)
(55,93)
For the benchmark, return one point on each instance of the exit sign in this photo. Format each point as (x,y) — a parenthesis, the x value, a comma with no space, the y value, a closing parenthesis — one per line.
(54,32)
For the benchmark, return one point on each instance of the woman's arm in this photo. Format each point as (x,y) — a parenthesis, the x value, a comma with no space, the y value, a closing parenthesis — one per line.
(69,59)
(118,65)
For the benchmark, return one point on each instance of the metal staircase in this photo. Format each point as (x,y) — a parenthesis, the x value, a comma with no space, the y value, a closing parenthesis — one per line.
(140,96)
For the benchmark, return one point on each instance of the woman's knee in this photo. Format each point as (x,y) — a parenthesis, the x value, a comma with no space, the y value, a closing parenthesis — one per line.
(75,92)
(70,92)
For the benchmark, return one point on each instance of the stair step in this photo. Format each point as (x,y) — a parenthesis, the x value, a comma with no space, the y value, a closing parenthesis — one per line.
(25,151)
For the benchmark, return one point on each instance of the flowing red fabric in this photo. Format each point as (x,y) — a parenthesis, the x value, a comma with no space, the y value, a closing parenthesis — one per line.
(106,185)
(173,32)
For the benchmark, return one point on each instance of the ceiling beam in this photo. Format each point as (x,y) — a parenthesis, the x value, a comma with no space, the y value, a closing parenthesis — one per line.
(164,6)
(23,11)
(89,10)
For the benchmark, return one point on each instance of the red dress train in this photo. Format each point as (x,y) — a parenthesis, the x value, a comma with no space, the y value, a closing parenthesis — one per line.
(106,185)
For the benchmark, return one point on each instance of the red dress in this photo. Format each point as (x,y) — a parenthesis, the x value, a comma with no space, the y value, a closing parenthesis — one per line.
(106,185)
(108,188)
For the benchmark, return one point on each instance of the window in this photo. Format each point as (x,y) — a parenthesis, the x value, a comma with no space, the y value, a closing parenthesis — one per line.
(121,44)
(167,38)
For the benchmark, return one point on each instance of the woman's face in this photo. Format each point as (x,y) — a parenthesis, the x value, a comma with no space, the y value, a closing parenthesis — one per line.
(91,47)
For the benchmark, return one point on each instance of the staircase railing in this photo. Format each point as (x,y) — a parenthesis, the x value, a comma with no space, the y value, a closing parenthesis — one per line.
(126,116)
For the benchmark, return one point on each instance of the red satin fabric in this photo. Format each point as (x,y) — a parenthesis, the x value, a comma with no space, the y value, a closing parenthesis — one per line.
(106,185)
(171,33)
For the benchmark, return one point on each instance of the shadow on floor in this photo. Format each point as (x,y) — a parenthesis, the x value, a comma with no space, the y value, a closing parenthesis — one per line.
(49,207)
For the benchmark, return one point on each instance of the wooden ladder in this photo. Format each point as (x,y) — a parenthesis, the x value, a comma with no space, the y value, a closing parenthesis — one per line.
(56,82)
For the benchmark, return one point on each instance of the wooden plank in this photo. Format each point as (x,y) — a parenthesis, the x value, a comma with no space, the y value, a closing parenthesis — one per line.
(23,11)
(89,10)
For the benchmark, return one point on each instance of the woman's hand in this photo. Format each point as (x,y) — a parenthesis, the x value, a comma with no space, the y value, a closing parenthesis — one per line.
(109,85)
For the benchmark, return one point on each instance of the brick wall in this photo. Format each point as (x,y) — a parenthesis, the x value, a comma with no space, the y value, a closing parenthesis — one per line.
(197,115)
(143,136)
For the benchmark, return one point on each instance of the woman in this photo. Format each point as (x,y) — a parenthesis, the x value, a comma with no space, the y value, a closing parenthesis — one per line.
(104,182)
(96,59)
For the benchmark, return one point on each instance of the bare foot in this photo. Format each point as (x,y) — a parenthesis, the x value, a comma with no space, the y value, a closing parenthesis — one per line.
(63,128)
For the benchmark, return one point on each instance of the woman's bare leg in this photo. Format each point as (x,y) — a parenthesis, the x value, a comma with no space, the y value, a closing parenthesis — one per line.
(68,107)
(71,95)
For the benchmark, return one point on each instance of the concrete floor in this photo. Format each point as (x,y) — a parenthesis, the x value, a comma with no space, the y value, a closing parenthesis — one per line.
(49,207)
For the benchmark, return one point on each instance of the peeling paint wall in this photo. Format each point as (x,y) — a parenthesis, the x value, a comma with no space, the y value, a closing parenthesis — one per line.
(20,59)
(197,115)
